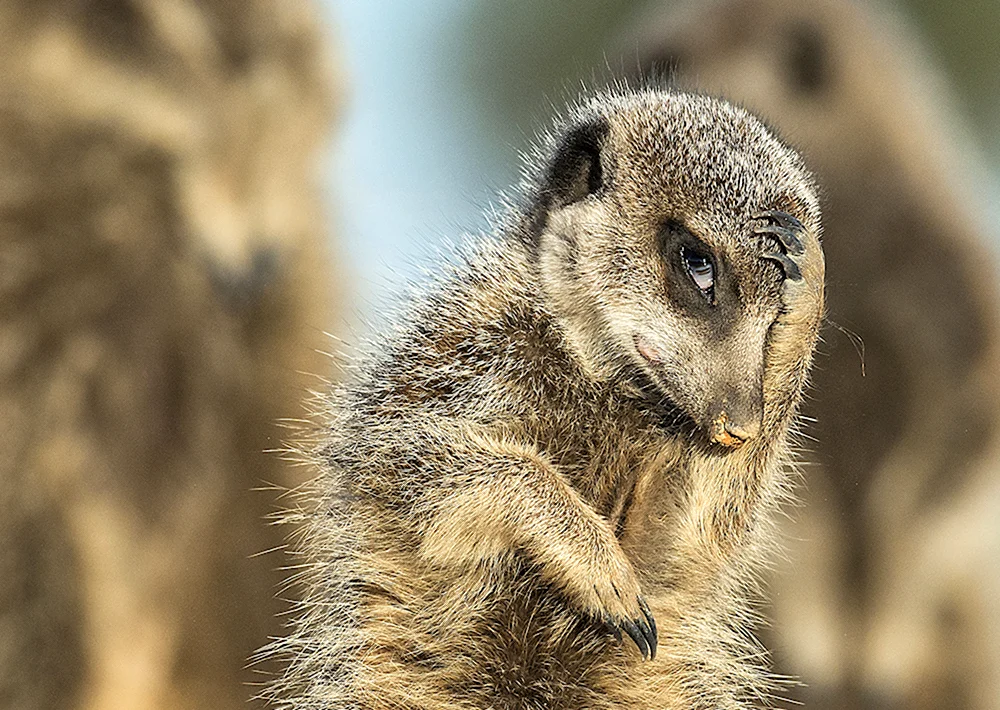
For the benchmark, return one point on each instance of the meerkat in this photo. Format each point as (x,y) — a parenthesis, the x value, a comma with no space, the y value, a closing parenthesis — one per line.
(163,280)
(881,587)
(576,435)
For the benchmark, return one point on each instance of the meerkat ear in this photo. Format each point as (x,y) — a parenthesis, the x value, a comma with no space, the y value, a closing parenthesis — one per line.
(574,172)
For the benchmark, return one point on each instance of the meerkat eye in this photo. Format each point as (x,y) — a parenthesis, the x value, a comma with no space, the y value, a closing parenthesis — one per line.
(702,272)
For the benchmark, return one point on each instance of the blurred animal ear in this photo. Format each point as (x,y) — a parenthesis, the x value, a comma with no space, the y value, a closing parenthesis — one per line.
(116,25)
(574,172)
(808,64)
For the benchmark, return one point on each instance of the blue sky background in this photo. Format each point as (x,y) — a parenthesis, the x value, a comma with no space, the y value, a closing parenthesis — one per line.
(407,170)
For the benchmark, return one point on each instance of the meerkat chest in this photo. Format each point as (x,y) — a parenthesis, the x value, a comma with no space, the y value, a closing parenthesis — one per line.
(602,457)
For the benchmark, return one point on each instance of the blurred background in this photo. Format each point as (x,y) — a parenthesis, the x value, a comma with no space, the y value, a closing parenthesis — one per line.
(195,193)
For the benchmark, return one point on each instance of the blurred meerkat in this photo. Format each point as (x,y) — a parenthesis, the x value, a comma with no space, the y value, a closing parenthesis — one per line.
(578,432)
(163,280)
(885,601)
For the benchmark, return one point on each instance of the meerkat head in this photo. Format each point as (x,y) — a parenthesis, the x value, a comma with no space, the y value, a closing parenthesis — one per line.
(643,228)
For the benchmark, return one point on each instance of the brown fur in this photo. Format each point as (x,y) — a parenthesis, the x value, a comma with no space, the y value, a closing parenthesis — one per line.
(882,586)
(512,468)
(162,283)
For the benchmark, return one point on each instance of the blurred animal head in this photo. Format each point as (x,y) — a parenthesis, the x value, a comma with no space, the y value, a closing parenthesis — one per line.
(232,96)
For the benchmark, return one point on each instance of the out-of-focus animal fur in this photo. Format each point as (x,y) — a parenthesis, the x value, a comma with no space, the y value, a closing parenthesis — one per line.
(889,596)
(591,408)
(163,284)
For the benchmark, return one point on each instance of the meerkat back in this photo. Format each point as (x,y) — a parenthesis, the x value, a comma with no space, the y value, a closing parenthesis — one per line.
(551,485)
(162,281)
(885,579)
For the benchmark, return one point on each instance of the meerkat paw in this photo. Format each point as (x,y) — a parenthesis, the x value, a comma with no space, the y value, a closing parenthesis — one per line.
(610,594)
(797,252)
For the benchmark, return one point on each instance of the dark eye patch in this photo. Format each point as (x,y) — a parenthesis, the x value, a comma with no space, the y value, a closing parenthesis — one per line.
(691,269)
(699,282)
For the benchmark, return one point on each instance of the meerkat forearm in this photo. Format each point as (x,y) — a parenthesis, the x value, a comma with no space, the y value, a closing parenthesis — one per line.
(520,501)
(492,512)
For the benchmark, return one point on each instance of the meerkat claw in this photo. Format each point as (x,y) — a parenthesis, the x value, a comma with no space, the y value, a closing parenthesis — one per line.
(782,219)
(651,625)
(641,631)
(783,227)
(789,238)
(790,268)
(633,630)
(611,627)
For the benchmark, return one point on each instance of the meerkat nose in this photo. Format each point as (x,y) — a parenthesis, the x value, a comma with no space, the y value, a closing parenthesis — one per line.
(732,434)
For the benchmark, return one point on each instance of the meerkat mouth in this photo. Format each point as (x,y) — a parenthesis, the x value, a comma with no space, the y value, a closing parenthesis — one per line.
(656,397)
(647,351)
